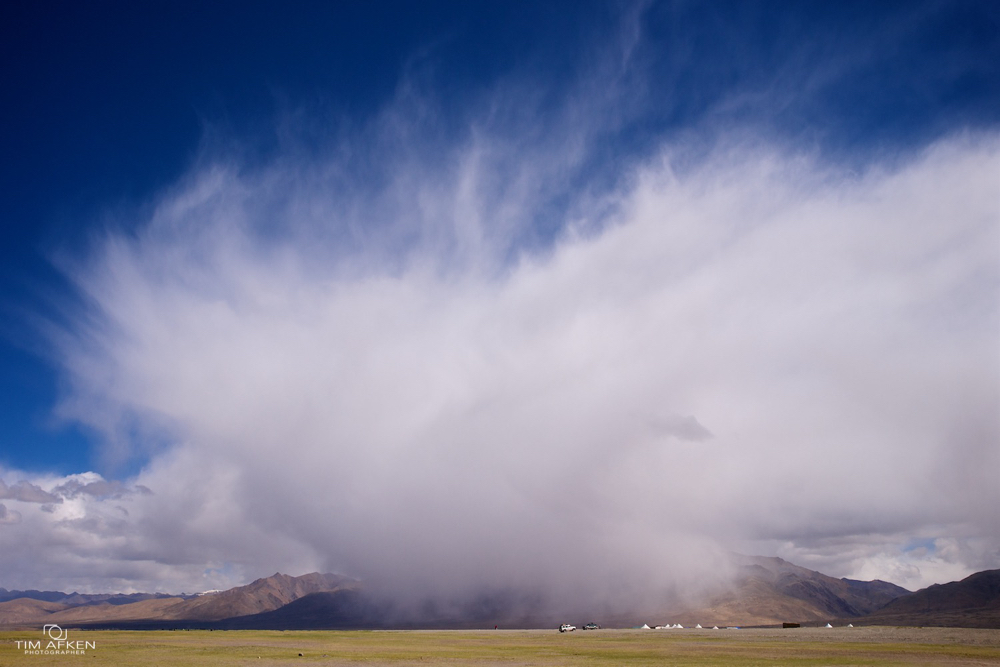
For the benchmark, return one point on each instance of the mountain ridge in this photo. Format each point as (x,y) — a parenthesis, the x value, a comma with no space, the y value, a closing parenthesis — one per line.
(769,591)
(763,591)
(75,598)
(973,602)
(262,595)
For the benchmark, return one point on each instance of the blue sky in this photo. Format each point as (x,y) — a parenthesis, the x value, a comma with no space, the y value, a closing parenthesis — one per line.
(246,206)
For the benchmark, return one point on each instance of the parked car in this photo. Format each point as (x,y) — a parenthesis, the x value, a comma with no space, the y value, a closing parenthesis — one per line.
(566,627)
(592,626)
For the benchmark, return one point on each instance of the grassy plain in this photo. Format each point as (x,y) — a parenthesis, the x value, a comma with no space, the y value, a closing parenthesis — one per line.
(800,646)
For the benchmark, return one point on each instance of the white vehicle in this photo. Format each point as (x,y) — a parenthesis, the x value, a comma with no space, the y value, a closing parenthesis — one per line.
(566,627)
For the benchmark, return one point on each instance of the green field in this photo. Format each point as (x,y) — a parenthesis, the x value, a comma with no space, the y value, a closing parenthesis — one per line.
(802,646)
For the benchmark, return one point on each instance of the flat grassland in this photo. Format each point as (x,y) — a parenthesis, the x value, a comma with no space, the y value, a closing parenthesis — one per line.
(799,646)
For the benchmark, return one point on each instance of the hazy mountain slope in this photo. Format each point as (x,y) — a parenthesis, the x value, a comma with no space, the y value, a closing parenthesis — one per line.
(829,595)
(352,609)
(26,610)
(262,595)
(159,608)
(768,591)
(75,599)
(47,596)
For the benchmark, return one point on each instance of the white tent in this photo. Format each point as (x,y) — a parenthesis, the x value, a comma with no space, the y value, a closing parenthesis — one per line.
(827,626)
(644,627)
(698,626)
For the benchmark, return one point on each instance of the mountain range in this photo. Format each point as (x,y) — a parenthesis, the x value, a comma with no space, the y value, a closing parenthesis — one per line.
(770,591)
(764,591)
(973,602)
(74,610)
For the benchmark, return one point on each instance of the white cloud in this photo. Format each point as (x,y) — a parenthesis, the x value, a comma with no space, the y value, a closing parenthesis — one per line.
(757,350)
(9,516)
(26,492)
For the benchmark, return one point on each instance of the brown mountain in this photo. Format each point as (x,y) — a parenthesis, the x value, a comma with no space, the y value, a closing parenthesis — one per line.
(26,610)
(159,608)
(973,602)
(768,591)
(262,595)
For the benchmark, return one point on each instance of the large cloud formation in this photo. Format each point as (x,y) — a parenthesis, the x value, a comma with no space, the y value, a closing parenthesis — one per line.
(481,364)
(757,353)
